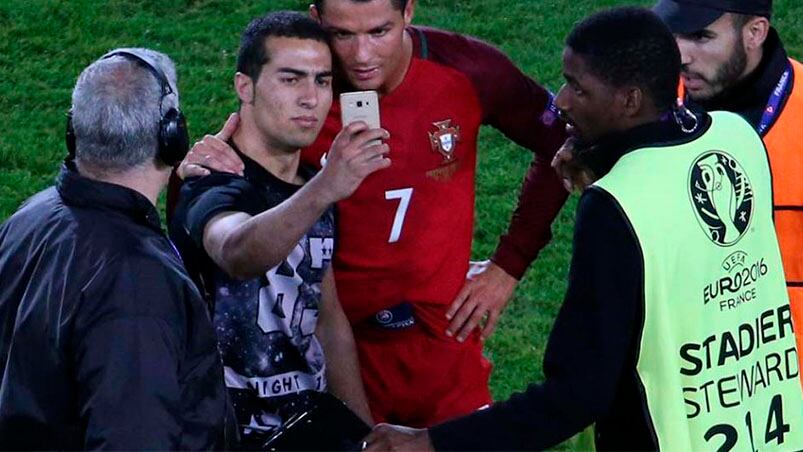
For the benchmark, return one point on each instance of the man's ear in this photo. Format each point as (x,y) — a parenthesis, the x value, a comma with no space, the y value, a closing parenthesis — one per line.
(409,12)
(314,13)
(631,100)
(755,32)
(244,87)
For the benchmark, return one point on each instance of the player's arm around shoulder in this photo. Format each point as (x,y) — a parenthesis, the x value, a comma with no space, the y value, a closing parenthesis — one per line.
(342,366)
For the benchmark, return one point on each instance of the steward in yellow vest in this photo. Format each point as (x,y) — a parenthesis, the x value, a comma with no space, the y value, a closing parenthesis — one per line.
(717,361)
(675,332)
(735,61)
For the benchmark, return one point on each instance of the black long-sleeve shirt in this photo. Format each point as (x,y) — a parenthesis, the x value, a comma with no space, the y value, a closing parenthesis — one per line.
(590,361)
(105,343)
(590,349)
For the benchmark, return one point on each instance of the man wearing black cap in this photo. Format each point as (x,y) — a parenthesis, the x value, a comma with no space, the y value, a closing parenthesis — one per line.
(733,60)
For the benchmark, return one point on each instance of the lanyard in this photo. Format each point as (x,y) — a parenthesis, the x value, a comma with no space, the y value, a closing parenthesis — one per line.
(771,111)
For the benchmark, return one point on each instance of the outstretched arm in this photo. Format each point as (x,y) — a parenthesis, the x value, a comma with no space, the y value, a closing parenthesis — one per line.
(398,439)
(244,245)
(592,347)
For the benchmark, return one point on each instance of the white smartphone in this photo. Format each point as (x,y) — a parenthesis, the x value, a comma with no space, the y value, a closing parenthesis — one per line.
(360,106)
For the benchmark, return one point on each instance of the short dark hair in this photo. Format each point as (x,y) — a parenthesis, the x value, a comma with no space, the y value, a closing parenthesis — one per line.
(630,46)
(284,24)
(398,4)
(740,20)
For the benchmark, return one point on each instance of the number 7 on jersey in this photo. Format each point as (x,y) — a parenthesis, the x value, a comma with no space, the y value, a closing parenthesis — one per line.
(403,195)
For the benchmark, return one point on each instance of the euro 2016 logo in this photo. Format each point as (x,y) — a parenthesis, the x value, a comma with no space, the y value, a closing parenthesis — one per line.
(722,197)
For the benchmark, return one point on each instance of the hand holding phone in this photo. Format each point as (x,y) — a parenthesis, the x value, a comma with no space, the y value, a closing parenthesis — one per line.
(358,150)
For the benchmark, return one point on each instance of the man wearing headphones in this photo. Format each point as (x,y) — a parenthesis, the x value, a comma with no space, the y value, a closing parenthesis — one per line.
(261,244)
(104,340)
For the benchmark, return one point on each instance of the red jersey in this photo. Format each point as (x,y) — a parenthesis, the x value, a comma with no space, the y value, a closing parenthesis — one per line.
(405,234)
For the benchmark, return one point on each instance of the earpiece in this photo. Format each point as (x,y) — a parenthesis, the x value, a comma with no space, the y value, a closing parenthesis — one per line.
(173,136)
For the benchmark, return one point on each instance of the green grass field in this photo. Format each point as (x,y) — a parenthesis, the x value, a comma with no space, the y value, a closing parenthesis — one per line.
(44,44)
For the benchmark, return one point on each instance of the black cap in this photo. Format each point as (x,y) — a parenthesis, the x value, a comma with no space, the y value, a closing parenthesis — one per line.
(689,16)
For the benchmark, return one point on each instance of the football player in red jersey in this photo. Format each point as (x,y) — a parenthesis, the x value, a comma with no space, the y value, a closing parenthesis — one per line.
(402,267)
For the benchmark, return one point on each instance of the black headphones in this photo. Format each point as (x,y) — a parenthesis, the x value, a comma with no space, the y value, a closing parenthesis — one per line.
(174,141)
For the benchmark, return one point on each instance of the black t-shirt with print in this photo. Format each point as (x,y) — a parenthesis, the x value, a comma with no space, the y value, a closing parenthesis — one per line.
(265,325)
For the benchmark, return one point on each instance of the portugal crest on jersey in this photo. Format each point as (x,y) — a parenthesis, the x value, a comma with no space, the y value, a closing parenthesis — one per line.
(444,140)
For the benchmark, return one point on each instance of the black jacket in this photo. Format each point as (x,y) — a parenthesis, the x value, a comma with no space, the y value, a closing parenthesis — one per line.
(104,340)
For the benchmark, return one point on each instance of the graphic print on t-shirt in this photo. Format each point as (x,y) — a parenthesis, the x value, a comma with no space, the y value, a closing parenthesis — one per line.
(266,329)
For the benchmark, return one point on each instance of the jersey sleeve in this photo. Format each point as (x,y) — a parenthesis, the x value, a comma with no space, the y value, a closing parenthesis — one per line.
(541,197)
(522,110)
(511,102)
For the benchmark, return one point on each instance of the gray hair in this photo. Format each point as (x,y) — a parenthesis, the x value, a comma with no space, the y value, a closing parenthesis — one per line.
(116,107)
